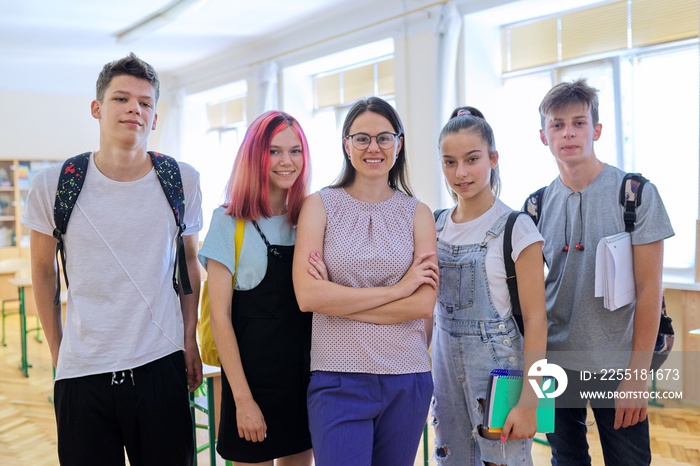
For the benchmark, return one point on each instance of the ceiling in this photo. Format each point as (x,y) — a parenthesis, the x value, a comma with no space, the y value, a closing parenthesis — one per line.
(59,46)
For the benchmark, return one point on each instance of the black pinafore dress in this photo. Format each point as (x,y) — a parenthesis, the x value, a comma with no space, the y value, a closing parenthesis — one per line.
(274,340)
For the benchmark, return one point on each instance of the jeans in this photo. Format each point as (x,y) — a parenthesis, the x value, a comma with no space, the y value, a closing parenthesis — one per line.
(470,339)
(463,356)
(628,446)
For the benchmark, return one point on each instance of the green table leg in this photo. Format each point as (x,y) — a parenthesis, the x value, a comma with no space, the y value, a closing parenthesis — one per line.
(212,421)
(24,367)
(37,330)
(426,458)
(654,401)
(194,427)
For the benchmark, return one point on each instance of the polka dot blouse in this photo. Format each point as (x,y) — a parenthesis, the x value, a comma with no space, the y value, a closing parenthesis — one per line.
(368,245)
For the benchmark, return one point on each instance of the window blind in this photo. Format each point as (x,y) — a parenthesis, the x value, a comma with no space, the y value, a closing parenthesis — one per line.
(594,30)
(531,44)
(655,22)
(347,85)
(227,113)
(597,29)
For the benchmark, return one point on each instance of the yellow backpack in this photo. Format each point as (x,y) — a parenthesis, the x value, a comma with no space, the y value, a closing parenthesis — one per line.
(207,347)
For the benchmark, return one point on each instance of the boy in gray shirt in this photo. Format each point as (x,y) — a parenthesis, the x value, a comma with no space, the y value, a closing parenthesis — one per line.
(579,208)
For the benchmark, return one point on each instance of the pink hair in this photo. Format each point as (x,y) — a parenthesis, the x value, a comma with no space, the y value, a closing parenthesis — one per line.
(248,189)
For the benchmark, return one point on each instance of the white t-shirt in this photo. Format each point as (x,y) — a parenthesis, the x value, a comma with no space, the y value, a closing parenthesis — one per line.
(474,231)
(122,310)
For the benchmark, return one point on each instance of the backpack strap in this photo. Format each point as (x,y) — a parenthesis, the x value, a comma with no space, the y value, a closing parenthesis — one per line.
(70,182)
(238,242)
(533,203)
(631,197)
(511,280)
(168,172)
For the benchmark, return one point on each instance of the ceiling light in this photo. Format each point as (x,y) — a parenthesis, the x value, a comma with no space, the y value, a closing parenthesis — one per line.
(158,19)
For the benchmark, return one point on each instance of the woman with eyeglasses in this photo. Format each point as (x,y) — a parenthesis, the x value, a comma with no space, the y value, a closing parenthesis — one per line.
(365,265)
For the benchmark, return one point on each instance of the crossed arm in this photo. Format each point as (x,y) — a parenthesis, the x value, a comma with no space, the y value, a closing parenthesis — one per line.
(413,297)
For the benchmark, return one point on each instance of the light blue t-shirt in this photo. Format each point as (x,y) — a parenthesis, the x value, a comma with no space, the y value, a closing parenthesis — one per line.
(219,245)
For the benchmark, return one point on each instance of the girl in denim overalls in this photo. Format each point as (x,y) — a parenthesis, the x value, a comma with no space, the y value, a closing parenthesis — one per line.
(474,330)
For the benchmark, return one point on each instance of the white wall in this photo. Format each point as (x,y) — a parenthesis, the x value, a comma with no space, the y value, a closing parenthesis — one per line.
(45,126)
(38,126)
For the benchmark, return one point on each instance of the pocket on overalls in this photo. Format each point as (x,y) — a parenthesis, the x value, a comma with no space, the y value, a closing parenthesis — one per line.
(507,350)
(456,284)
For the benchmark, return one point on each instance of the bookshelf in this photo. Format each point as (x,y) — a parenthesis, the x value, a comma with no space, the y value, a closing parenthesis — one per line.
(15,176)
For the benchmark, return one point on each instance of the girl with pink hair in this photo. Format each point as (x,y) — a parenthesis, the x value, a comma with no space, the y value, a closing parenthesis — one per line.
(263,340)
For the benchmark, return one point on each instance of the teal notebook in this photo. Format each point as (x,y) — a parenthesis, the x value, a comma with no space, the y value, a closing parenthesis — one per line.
(503,393)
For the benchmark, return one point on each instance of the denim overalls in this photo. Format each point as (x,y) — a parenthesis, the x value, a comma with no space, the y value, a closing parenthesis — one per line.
(469,340)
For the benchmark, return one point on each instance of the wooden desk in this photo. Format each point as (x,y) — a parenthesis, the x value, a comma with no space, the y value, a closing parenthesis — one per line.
(8,295)
(683,305)
(27,306)
(10,268)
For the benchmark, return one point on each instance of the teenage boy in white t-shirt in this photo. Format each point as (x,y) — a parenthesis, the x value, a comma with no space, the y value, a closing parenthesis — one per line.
(127,353)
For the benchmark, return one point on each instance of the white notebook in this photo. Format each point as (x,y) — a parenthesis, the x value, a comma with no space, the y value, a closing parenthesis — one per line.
(614,271)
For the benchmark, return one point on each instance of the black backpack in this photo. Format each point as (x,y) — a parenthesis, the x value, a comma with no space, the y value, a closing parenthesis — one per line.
(70,182)
(511,280)
(630,198)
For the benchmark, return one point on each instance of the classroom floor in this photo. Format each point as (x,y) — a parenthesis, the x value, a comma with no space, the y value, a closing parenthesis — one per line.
(28,431)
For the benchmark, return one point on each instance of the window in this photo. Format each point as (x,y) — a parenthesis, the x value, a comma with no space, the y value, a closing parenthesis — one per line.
(215,124)
(658,136)
(516,126)
(226,114)
(319,94)
(598,29)
(663,141)
(341,88)
(648,90)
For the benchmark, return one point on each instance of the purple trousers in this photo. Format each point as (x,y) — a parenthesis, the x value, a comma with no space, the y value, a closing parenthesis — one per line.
(367,419)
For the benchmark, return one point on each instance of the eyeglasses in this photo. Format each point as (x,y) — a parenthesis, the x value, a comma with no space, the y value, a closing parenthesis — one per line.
(361,141)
